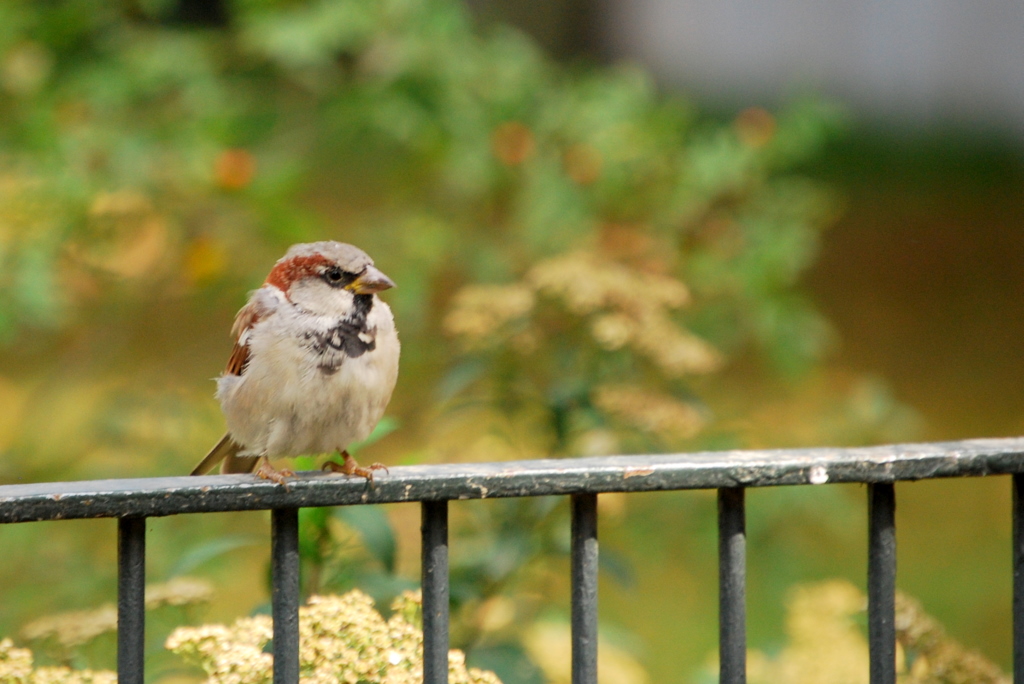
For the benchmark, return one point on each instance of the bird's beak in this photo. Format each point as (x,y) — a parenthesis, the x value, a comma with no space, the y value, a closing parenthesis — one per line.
(369,281)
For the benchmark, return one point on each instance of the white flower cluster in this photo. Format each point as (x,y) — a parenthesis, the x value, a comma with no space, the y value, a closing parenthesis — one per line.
(16,667)
(343,640)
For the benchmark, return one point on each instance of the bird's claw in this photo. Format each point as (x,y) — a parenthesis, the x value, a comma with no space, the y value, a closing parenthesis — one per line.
(266,471)
(350,467)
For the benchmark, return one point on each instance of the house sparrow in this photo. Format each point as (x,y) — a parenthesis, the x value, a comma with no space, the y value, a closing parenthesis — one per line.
(313,366)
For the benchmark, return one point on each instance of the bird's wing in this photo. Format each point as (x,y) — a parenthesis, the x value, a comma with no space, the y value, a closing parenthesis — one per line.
(250,314)
(227,449)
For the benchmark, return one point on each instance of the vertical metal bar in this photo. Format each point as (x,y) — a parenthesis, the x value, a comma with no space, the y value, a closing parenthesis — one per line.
(434,530)
(732,589)
(1018,578)
(882,582)
(584,589)
(131,599)
(284,561)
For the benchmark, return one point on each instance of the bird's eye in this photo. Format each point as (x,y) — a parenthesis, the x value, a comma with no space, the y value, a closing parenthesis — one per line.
(336,277)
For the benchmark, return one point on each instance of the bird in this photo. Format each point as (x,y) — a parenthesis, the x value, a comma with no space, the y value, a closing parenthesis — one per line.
(313,367)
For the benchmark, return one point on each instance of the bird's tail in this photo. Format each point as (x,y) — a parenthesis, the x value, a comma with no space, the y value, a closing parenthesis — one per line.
(226,450)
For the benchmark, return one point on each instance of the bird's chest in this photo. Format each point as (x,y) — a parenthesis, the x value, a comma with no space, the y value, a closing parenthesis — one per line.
(333,346)
(320,356)
(319,387)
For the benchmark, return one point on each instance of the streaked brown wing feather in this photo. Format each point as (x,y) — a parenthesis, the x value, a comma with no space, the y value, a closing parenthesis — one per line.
(247,317)
(239,359)
(226,450)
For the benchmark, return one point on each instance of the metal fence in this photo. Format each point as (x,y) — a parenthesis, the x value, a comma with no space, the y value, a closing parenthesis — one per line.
(583,479)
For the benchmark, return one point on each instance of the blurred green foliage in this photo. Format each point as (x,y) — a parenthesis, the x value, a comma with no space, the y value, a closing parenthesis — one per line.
(585,266)
(142,159)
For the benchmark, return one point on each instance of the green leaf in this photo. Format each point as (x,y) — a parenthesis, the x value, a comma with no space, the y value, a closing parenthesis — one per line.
(458,379)
(313,517)
(618,567)
(385,427)
(304,463)
(373,526)
(207,551)
(509,661)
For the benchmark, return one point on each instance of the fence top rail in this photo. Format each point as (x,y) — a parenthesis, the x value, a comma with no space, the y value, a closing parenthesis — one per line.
(160,496)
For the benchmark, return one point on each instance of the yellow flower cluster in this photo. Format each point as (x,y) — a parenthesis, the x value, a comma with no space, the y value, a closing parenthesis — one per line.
(343,640)
(648,410)
(480,311)
(628,307)
(230,655)
(128,237)
(622,307)
(937,658)
(588,283)
(22,209)
(16,668)
(180,591)
(73,628)
(78,627)
(65,675)
(826,643)
(15,663)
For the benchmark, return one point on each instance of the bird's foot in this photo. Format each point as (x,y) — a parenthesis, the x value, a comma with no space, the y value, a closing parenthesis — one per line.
(266,471)
(349,467)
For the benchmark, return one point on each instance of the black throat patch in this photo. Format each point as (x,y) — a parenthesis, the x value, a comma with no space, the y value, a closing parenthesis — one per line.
(348,338)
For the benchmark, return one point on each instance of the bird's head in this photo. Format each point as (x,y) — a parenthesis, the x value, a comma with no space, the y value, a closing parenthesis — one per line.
(326,277)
